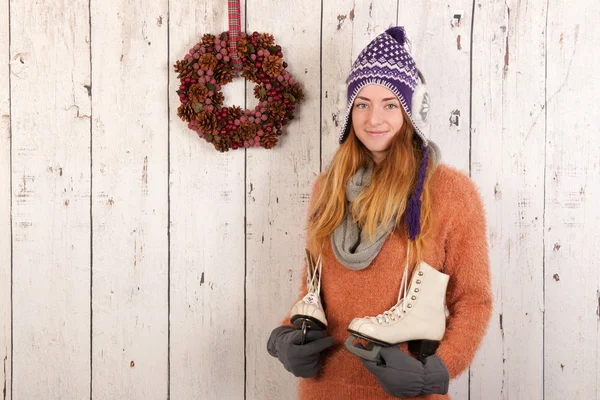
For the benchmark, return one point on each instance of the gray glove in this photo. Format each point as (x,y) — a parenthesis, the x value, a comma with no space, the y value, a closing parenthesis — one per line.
(301,360)
(401,375)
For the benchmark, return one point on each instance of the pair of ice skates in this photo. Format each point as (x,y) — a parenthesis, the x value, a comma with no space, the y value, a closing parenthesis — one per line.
(418,317)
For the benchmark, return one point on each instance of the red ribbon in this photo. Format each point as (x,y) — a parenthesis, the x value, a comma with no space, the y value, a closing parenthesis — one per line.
(234,32)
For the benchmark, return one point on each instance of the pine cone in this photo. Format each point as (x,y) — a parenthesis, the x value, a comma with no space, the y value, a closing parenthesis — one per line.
(272,65)
(250,72)
(268,141)
(222,143)
(224,36)
(296,91)
(186,112)
(208,40)
(260,92)
(242,47)
(223,74)
(197,93)
(184,69)
(265,40)
(247,130)
(207,61)
(234,112)
(207,121)
(180,66)
(277,110)
(218,99)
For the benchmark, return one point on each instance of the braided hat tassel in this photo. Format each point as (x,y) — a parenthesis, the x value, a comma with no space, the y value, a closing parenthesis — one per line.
(413,208)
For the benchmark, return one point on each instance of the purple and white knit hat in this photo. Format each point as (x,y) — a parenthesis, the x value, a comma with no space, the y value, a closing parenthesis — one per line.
(386,62)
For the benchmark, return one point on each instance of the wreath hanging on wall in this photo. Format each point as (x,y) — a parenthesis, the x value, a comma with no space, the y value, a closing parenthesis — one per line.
(210,65)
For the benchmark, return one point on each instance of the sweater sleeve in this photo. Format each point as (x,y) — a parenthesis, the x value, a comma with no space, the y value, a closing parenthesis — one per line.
(469,297)
(311,206)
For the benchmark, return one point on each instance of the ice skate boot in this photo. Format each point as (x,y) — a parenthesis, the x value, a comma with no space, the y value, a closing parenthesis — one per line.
(418,317)
(308,313)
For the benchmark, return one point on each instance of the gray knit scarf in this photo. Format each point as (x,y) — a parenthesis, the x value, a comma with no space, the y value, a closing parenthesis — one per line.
(351,247)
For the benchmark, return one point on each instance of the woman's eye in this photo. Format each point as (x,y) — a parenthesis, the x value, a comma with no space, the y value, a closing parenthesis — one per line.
(360,105)
(391,105)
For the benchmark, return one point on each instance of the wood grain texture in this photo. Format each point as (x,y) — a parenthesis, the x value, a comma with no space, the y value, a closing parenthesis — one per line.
(129,200)
(5,203)
(572,217)
(207,234)
(50,117)
(508,137)
(278,191)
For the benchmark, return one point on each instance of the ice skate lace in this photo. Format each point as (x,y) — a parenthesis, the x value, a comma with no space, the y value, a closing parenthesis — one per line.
(400,306)
(313,284)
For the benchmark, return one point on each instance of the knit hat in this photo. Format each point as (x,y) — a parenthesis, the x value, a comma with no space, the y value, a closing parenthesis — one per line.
(386,62)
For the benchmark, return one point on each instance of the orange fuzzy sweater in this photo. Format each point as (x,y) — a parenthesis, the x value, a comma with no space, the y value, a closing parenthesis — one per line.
(457,247)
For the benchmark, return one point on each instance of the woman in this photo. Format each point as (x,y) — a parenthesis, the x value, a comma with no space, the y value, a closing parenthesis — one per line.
(383,208)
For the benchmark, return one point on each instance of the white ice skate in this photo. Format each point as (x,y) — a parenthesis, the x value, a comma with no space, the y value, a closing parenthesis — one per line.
(308,313)
(418,317)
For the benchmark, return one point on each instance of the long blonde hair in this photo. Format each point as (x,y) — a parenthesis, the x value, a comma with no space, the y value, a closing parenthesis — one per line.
(379,204)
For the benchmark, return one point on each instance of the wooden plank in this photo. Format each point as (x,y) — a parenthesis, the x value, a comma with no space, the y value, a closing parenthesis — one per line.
(508,166)
(489,50)
(207,234)
(50,119)
(440,36)
(278,191)
(348,26)
(572,217)
(5,202)
(129,200)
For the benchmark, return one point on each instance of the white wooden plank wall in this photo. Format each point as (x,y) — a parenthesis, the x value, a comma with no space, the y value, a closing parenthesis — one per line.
(136,262)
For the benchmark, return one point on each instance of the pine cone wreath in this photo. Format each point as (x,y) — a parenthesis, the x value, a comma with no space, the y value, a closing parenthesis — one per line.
(197,93)
(207,61)
(268,141)
(272,65)
(207,121)
(186,112)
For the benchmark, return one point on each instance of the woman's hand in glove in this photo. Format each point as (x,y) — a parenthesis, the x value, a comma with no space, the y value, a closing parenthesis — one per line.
(301,360)
(401,375)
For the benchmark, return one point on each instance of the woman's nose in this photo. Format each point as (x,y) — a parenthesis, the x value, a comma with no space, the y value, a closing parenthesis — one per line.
(375,118)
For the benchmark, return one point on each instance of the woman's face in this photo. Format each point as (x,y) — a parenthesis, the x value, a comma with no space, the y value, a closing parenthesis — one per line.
(376,119)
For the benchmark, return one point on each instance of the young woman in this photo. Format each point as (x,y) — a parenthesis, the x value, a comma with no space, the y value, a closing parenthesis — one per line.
(386,210)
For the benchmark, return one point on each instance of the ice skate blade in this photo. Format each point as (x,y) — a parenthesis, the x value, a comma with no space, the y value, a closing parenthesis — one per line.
(311,322)
(359,335)
(371,353)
